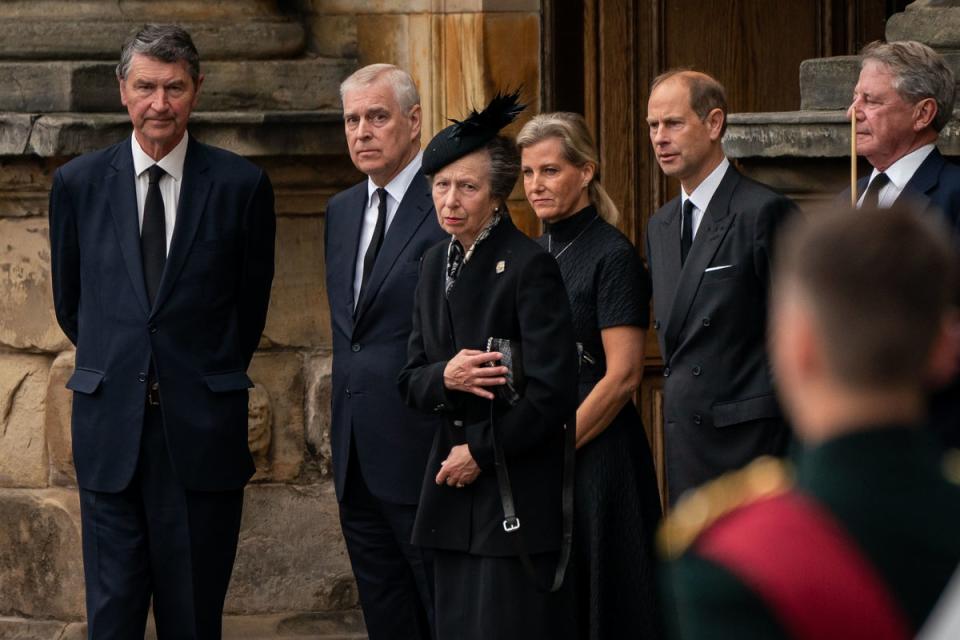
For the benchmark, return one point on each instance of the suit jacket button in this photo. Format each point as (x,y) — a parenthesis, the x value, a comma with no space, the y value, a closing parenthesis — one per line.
(697,419)
(348,393)
(141,377)
(458,423)
(706,322)
(152,327)
(697,370)
(656,324)
(440,407)
(355,347)
(666,372)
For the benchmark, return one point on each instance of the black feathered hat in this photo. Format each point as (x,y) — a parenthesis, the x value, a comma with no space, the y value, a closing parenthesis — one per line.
(466,136)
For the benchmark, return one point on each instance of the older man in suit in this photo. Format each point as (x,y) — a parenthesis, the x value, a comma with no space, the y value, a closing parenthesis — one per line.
(903,99)
(162,256)
(709,251)
(376,233)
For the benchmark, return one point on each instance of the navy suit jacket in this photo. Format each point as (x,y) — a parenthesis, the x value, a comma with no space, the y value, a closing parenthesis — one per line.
(370,345)
(720,407)
(201,332)
(935,188)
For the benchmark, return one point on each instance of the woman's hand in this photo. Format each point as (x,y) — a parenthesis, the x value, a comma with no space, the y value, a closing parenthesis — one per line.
(459,469)
(468,371)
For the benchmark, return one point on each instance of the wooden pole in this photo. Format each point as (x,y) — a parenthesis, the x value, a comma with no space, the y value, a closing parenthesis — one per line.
(853,158)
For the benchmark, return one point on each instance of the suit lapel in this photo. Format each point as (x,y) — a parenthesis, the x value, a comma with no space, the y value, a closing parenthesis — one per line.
(670,250)
(713,228)
(193,198)
(343,261)
(410,215)
(122,199)
(925,179)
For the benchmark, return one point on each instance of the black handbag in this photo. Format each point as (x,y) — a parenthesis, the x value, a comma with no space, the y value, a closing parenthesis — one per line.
(512,390)
(511,393)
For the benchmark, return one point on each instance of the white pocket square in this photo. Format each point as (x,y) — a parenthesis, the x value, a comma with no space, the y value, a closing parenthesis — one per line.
(718,268)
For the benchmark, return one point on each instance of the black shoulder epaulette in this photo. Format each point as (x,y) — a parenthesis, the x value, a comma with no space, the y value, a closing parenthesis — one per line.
(696,511)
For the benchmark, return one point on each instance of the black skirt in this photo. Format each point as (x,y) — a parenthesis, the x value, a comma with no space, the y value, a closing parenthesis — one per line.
(487,597)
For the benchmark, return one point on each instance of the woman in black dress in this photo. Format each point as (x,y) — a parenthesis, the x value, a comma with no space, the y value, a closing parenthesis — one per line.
(617,505)
(490,281)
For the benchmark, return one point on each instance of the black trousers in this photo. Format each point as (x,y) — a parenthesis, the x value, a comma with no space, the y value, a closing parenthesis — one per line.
(157,541)
(394,577)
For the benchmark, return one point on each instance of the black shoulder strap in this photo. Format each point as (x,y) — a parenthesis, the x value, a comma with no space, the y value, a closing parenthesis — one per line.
(511,522)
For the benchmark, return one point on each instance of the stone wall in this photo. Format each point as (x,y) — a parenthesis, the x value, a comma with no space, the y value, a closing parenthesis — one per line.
(272,70)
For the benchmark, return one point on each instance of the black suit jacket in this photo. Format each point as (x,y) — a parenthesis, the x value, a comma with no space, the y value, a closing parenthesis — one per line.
(511,288)
(935,188)
(720,409)
(201,332)
(370,345)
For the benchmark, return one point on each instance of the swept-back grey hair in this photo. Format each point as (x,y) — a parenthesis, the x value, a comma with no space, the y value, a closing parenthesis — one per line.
(164,42)
(918,72)
(404,88)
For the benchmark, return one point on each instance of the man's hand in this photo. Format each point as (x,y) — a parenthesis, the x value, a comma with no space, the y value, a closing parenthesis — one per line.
(467,372)
(459,469)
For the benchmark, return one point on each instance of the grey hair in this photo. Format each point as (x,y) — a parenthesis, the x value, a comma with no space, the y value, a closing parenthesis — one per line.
(164,42)
(504,167)
(404,88)
(918,72)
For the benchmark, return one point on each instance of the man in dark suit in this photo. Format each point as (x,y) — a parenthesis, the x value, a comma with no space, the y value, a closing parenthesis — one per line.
(903,99)
(709,252)
(162,257)
(376,233)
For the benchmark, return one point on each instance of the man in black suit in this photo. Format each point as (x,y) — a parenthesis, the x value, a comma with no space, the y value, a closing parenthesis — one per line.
(903,99)
(162,257)
(376,233)
(709,252)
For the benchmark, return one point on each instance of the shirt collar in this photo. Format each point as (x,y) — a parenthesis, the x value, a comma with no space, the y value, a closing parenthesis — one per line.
(398,186)
(903,169)
(172,163)
(702,195)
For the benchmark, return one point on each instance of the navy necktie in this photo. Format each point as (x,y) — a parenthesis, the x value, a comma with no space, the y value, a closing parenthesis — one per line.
(370,257)
(686,234)
(872,198)
(153,234)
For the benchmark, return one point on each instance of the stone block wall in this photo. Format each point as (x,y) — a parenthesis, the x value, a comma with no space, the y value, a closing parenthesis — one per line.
(271,93)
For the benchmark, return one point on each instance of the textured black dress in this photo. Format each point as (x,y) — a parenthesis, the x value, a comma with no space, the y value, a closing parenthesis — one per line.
(617,506)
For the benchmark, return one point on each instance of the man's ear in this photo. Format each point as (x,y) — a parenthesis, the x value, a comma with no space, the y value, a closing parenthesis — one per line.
(416,120)
(196,93)
(923,114)
(714,122)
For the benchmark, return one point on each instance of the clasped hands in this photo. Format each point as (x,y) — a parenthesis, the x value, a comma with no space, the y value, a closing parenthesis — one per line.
(470,372)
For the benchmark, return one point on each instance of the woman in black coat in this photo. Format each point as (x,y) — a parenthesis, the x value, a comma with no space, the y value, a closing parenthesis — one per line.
(490,280)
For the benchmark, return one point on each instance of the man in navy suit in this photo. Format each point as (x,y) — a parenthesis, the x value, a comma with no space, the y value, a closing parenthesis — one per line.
(376,233)
(162,256)
(710,251)
(903,99)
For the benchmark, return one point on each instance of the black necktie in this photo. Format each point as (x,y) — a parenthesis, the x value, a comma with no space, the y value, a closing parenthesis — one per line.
(686,233)
(153,234)
(872,198)
(370,257)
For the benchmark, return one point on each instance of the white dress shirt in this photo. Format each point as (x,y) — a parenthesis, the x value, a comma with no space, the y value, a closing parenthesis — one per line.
(172,163)
(703,194)
(396,189)
(899,173)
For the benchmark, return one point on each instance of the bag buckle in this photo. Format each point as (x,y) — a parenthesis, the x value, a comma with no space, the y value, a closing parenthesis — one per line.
(511,524)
